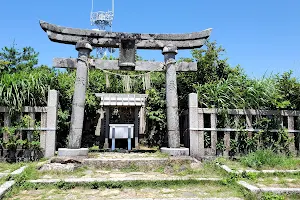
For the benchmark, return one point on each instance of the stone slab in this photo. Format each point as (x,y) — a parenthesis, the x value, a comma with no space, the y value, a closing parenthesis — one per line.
(226,168)
(119,163)
(249,187)
(70,167)
(3,174)
(65,152)
(255,189)
(176,151)
(233,198)
(19,171)
(281,190)
(5,187)
(119,179)
(229,170)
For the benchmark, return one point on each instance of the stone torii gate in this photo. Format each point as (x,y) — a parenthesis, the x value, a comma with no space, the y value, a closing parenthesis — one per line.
(127,43)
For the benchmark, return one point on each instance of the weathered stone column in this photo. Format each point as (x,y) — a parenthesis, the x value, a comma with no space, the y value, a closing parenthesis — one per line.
(84,49)
(195,147)
(50,137)
(169,53)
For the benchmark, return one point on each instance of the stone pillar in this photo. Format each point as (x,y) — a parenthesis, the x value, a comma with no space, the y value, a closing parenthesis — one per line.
(291,127)
(169,53)
(106,125)
(136,127)
(195,147)
(43,133)
(84,49)
(50,138)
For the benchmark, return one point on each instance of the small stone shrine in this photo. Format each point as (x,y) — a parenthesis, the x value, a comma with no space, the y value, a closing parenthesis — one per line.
(126,114)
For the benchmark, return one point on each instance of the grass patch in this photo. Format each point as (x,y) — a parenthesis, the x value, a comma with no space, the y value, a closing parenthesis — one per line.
(267,159)
(78,172)
(262,160)
(277,180)
(158,154)
(271,196)
(28,174)
(234,165)
(210,189)
(292,197)
(132,168)
(2,180)
(10,167)
(209,169)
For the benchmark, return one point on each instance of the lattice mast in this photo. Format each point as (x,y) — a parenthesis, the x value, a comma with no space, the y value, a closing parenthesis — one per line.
(103,20)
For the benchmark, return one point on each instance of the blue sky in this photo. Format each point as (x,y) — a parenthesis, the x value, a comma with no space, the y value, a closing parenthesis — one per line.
(263,36)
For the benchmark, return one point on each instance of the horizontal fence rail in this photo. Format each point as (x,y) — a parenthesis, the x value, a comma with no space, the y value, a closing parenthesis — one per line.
(241,130)
(26,109)
(294,113)
(199,125)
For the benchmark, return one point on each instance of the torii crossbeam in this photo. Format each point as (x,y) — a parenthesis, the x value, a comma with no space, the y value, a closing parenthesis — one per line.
(127,43)
(112,39)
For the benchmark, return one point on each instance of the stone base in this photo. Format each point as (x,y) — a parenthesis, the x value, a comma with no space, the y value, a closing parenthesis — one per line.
(176,151)
(64,152)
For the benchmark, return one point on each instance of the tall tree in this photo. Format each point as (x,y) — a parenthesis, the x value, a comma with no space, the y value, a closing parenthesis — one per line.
(13,59)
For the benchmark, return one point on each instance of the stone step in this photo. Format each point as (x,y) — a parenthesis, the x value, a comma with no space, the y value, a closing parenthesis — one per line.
(119,163)
(119,179)
(233,198)
(125,160)
(79,189)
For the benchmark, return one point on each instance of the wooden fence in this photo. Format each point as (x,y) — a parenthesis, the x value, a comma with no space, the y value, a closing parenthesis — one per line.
(47,116)
(200,124)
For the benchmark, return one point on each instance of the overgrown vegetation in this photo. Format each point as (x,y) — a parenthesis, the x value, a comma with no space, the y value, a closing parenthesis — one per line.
(22,82)
(262,160)
(13,138)
(265,139)
(269,159)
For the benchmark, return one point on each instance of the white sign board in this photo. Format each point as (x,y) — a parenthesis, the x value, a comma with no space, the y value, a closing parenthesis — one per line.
(121,131)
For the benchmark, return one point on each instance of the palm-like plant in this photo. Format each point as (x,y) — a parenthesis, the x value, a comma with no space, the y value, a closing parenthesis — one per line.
(24,88)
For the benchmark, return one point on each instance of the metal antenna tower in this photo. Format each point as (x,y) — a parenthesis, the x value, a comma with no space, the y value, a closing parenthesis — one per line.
(103,20)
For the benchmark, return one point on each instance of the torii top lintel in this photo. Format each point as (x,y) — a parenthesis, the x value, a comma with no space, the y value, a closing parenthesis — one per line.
(71,36)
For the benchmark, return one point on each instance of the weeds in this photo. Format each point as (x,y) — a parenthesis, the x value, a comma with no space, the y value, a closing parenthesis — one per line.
(269,159)
(271,196)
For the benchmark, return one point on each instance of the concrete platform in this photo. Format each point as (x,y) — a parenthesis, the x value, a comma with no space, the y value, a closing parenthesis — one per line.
(176,151)
(64,152)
